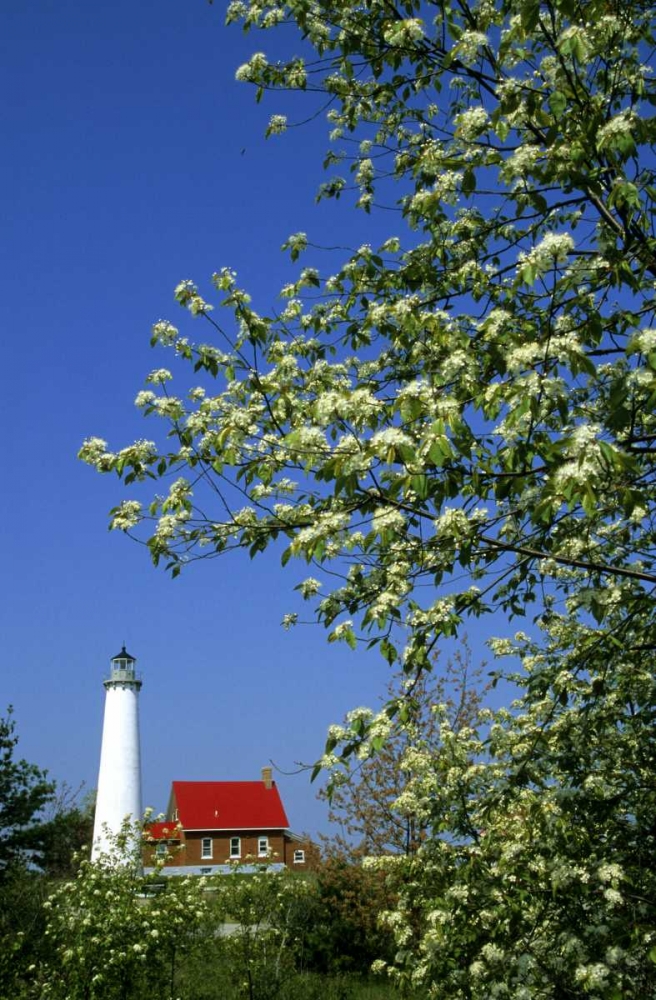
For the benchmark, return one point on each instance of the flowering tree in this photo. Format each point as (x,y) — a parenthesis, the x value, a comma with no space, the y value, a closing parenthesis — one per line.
(538,881)
(472,399)
(457,421)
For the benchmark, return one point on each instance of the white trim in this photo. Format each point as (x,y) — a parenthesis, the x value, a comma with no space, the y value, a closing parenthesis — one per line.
(203,855)
(238,854)
(262,826)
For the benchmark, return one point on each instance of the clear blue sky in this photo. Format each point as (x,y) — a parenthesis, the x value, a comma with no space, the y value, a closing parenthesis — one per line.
(131,159)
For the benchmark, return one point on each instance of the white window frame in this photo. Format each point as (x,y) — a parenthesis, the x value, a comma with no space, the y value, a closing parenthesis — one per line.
(299,857)
(162,849)
(262,847)
(235,847)
(206,848)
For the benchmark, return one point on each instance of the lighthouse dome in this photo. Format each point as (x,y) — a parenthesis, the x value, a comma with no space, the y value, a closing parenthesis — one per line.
(124,655)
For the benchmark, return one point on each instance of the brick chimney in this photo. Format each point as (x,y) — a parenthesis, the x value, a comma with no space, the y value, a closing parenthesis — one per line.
(267,777)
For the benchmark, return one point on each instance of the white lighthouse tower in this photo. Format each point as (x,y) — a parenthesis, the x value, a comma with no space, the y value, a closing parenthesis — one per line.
(119,778)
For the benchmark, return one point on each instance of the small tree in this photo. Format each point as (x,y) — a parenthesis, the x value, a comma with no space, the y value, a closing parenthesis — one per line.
(270,911)
(24,791)
(362,799)
(344,934)
(23,943)
(67,832)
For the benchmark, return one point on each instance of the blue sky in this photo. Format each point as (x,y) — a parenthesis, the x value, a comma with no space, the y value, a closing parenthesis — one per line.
(131,159)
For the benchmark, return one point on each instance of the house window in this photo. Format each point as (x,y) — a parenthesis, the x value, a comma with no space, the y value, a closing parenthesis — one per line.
(235,847)
(262,847)
(299,857)
(206,847)
(162,849)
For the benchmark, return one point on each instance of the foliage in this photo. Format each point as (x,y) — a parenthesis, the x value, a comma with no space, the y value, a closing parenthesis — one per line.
(289,936)
(344,935)
(538,882)
(458,421)
(22,928)
(112,936)
(475,401)
(67,832)
(362,800)
(39,830)
(265,949)
(24,791)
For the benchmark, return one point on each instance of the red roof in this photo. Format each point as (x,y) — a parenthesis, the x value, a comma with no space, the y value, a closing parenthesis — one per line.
(228,805)
(168,830)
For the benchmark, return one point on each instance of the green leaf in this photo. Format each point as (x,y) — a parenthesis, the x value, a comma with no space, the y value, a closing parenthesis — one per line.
(468,181)
(529,14)
(558,103)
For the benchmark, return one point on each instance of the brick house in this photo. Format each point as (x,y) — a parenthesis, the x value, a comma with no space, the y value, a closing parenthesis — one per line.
(211,825)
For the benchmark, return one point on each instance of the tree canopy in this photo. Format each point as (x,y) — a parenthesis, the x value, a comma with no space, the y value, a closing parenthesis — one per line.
(461,419)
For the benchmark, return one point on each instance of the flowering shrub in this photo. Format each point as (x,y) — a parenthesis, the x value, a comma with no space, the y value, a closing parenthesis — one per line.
(114,934)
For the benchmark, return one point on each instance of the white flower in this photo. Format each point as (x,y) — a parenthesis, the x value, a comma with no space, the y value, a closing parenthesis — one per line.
(159,376)
(360,714)
(469,44)
(388,519)
(277,124)
(389,437)
(492,953)
(249,71)
(643,341)
(609,873)
(553,248)
(93,449)
(164,332)
(144,398)
(365,173)
(127,515)
(402,32)
(309,587)
(471,123)
(342,630)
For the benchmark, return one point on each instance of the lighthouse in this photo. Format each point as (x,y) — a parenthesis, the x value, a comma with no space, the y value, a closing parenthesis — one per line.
(119,777)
